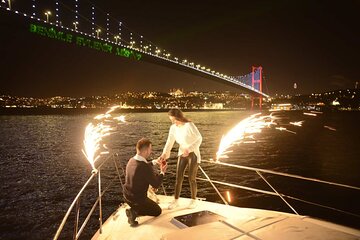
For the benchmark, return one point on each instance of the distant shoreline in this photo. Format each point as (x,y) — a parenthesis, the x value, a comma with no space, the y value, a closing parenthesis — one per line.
(76,111)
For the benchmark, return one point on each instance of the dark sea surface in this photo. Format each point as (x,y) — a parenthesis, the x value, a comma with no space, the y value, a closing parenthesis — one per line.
(43,168)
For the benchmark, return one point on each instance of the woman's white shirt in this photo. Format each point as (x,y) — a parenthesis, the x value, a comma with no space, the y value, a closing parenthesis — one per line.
(187,136)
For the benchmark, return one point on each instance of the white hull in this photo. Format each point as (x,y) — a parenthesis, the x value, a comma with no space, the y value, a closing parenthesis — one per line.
(240,224)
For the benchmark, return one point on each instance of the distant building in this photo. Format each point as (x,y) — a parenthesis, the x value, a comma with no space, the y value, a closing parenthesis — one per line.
(149,95)
(176,92)
(213,106)
(281,106)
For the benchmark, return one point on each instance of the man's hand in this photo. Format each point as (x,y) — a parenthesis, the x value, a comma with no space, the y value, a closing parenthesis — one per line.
(158,161)
(153,189)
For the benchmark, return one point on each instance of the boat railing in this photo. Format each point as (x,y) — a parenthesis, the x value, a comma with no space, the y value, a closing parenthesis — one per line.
(95,174)
(274,192)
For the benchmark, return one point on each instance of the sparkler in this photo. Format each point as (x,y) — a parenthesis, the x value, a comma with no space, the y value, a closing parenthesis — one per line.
(310,114)
(299,123)
(244,131)
(120,118)
(113,108)
(317,112)
(250,125)
(330,128)
(228,196)
(285,129)
(95,133)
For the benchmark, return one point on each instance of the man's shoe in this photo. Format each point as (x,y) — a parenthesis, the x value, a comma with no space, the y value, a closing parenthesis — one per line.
(193,204)
(173,204)
(131,215)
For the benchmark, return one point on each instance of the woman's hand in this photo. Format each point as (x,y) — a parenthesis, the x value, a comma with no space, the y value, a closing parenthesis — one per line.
(163,167)
(186,153)
(162,157)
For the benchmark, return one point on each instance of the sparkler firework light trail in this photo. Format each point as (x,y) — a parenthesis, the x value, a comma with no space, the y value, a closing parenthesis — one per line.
(244,130)
(113,108)
(330,128)
(310,114)
(316,112)
(250,125)
(228,196)
(299,123)
(284,129)
(96,132)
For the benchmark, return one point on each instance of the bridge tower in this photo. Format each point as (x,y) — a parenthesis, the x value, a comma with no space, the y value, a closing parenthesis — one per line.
(256,82)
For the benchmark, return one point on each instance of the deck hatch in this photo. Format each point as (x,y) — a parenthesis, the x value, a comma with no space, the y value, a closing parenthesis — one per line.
(195,219)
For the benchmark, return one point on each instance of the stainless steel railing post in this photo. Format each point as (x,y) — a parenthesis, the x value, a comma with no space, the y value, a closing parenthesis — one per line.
(100,206)
(71,206)
(76,226)
(212,184)
(293,209)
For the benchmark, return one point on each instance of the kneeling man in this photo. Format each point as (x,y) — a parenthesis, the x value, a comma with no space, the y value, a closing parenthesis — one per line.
(139,175)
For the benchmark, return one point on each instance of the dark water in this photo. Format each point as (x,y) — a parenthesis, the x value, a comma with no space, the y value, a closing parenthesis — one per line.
(42,167)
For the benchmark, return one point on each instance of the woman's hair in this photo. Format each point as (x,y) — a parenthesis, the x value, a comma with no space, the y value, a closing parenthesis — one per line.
(178,115)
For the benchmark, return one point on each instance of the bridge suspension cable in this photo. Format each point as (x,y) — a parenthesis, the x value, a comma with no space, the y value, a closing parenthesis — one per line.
(146,47)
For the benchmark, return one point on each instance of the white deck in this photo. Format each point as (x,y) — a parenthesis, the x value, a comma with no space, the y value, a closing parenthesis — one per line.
(240,224)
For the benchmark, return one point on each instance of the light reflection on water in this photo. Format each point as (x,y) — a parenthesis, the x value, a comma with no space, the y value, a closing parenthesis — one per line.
(42,167)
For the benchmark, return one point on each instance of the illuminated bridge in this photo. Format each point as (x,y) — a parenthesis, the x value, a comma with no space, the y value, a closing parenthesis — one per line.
(91,27)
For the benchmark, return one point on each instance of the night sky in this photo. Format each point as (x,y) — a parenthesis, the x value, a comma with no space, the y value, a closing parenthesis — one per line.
(315,44)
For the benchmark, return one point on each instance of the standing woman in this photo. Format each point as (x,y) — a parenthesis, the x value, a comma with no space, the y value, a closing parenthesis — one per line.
(186,134)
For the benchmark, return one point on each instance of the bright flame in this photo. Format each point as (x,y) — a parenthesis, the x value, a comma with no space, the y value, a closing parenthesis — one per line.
(95,133)
(252,124)
(310,114)
(316,112)
(299,123)
(330,128)
(102,116)
(284,129)
(91,143)
(228,196)
(113,108)
(120,118)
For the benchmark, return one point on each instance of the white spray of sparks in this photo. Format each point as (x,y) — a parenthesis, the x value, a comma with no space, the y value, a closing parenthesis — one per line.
(330,128)
(285,129)
(250,125)
(113,108)
(107,115)
(95,133)
(244,131)
(310,114)
(102,116)
(120,118)
(228,196)
(316,112)
(299,123)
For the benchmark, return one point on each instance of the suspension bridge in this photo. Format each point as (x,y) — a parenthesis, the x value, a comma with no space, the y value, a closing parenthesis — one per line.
(85,25)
